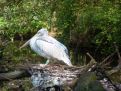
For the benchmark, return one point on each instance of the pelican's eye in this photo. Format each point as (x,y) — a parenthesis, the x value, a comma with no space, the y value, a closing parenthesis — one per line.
(40,34)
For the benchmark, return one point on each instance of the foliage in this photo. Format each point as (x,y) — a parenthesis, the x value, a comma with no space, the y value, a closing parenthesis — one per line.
(101,18)
(22,16)
(82,25)
(90,23)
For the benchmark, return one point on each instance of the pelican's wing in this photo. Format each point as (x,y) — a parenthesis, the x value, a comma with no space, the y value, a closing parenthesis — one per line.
(48,49)
(58,43)
(52,40)
(52,50)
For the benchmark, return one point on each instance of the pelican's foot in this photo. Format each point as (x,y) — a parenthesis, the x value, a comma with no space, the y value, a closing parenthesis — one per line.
(47,62)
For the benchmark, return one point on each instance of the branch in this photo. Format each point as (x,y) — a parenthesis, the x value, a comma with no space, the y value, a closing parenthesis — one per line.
(11,75)
(118,53)
(103,62)
(92,61)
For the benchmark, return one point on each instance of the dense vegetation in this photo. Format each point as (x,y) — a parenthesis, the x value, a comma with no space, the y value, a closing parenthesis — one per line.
(82,25)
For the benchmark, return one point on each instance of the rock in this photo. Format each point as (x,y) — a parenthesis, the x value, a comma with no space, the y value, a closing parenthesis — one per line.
(88,82)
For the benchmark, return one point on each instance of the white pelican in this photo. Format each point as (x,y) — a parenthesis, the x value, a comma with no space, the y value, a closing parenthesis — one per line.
(48,47)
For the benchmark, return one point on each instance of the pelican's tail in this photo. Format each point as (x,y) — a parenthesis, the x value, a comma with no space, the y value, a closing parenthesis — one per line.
(67,61)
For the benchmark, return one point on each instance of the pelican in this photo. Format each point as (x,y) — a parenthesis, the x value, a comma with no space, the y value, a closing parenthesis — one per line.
(48,47)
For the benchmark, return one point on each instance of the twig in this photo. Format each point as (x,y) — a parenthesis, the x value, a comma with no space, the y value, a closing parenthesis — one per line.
(11,75)
(5,78)
(90,56)
(117,50)
(34,89)
(93,61)
(106,64)
(30,70)
(107,58)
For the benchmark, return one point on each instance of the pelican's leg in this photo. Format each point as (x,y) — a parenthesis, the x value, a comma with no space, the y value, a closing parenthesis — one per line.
(47,62)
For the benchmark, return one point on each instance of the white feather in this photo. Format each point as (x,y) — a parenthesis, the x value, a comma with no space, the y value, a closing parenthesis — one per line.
(48,47)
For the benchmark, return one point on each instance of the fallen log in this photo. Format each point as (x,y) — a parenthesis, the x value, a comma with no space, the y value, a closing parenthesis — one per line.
(47,76)
(56,76)
(12,75)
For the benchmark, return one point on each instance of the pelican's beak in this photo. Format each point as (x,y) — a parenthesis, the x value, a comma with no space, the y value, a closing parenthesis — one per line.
(25,44)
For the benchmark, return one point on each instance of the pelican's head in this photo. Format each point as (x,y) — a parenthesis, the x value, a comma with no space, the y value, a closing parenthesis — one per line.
(42,32)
